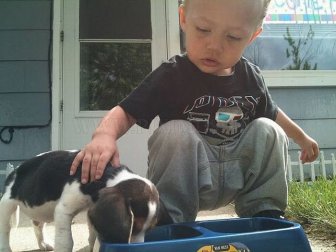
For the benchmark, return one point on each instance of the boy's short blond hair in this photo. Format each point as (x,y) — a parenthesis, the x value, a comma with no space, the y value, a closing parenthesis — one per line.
(264,10)
(265,7)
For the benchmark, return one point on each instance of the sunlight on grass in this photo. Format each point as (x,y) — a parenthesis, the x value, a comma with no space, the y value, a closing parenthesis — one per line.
(313,202)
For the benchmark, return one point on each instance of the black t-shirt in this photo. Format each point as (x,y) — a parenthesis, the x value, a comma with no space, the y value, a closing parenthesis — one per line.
(218,106)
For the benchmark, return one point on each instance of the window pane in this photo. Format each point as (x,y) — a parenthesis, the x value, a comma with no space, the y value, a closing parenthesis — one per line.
(115,19)
(110,71)
(298,35)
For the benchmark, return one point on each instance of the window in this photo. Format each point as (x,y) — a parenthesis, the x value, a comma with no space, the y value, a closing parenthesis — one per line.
(298,35)
(115,50)
(110,71)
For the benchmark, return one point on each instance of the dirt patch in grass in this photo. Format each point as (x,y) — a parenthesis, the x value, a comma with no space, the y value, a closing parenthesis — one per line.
(322,240)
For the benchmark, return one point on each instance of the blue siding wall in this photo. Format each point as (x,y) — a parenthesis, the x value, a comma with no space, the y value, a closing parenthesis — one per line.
(314,109)
(24,78)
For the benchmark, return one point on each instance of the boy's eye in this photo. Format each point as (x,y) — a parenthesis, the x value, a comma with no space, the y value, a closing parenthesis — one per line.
(233,38)
(202,29)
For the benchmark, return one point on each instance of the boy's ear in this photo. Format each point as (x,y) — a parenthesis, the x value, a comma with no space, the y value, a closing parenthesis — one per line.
(256,34)
(182,16)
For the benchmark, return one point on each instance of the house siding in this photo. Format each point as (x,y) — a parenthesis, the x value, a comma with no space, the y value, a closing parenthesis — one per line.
(313,109)
(24,79)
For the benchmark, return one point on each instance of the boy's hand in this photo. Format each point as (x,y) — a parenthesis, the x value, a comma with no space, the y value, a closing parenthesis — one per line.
(103,146)
(309,149)
(95,156)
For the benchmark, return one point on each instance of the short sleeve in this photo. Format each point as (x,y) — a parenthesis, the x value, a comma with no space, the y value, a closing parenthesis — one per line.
(267,107)
(145,101)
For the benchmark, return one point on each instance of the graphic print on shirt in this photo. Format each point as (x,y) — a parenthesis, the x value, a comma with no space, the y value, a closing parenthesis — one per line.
(222,118)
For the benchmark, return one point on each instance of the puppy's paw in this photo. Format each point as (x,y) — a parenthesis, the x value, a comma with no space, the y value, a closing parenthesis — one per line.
(44,246)
(96,246)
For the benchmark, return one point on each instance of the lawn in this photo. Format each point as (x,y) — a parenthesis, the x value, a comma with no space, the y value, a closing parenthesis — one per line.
(313,204)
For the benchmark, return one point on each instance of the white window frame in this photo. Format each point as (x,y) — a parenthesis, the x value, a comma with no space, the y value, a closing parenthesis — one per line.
(158,39)
(57,59)
(299,78)
(173,28)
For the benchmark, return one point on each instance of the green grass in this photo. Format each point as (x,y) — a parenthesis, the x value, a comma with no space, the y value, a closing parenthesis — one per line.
(313,203)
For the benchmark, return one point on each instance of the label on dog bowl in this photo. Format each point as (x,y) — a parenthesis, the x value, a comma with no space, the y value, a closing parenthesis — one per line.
(232,247)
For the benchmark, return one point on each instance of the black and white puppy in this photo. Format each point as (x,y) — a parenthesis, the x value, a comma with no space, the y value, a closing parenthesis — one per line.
(121,205)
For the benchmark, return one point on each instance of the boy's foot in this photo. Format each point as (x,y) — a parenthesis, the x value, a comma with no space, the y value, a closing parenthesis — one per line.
(275,214)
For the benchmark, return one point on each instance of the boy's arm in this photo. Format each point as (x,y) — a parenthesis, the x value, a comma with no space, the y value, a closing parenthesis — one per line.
(309,147)
(103,148)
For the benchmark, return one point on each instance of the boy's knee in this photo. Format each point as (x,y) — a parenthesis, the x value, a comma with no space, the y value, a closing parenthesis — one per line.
(177,131)
(270,128)
(177,126)
(174,135)
(264,122)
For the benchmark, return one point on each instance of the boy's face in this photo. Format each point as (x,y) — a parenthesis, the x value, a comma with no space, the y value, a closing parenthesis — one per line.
(218,31)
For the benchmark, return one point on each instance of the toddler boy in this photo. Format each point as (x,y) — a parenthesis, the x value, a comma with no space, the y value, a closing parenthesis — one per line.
(221,138)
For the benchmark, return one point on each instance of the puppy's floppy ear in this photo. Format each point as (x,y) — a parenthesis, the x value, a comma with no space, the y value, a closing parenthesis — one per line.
(112,217)
(131,214)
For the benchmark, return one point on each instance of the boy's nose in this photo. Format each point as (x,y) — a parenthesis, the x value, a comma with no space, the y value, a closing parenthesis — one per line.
(214,44)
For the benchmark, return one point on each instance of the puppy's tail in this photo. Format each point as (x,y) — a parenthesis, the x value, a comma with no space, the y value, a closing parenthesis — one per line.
(15,217)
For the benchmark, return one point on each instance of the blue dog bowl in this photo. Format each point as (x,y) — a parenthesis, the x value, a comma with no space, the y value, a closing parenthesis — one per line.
(232,235)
